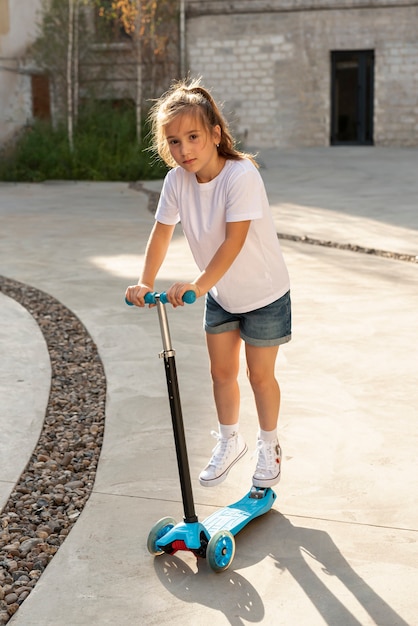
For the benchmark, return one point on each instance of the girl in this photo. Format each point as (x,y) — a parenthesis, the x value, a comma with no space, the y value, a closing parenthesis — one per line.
(218,195)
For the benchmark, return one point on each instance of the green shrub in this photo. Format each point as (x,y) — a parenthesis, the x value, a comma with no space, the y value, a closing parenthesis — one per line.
(105,149)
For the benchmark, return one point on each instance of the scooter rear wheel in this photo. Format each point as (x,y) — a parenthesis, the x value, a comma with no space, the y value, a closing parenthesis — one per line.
(220,550)
(159,529)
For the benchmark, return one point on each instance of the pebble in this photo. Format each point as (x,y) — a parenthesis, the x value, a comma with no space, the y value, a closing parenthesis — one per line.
(12,608)
(74,484)
(56,484)
(28,545)
(66,459)
(23,596)
(42,534)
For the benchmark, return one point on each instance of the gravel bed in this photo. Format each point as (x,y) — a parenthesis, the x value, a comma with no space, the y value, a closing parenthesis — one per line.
(58,479)
(396,256)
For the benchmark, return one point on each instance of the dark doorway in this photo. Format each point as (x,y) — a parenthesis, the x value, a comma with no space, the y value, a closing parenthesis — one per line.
(41,103)
(352,78)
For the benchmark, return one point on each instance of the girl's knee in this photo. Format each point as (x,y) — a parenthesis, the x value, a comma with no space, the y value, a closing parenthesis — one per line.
(261,379)
(221,376)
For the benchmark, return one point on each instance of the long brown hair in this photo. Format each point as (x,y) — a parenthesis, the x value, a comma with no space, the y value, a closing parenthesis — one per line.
(188,96)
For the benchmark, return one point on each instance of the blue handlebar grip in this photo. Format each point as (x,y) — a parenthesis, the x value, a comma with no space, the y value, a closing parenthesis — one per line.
(150,298)
(189,297)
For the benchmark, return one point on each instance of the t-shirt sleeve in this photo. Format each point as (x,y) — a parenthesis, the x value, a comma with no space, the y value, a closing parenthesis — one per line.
(246,195)
(167,209)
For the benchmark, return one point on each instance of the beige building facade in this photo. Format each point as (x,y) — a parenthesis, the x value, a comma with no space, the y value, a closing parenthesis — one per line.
(17,31)
(310,72)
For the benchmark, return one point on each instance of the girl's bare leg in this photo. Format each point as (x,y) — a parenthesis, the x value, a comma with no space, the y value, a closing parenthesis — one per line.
(224,351)
(260,370)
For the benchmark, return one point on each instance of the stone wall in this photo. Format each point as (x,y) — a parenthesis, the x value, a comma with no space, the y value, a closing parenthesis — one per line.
(270,64)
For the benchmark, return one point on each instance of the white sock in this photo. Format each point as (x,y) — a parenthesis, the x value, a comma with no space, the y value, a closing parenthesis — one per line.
(267,435)
(228,430)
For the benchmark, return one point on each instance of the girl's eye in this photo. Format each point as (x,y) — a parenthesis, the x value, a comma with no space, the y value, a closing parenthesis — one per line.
(173,142)
(193,136)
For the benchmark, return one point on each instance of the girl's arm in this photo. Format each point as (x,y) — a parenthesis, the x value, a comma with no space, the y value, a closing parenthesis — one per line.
(235,235)
(155,253)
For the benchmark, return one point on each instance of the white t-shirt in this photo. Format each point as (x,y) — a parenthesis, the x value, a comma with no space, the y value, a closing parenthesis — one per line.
(258,276)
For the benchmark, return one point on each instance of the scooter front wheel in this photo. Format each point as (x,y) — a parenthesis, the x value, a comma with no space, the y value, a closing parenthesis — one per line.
(159,529)
(220,550)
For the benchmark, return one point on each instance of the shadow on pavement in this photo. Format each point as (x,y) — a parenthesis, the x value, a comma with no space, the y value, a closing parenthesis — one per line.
(292,547)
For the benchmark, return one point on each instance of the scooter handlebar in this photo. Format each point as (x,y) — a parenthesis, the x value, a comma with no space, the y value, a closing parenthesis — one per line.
(151,297)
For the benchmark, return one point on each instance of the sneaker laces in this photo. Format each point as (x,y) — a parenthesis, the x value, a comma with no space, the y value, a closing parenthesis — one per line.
(267,454)
(219,451)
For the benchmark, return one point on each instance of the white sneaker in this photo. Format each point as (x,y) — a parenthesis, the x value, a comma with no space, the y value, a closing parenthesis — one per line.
(267,472)
(224,455)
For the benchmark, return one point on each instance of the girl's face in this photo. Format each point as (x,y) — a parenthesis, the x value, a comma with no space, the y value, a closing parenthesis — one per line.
(193,147)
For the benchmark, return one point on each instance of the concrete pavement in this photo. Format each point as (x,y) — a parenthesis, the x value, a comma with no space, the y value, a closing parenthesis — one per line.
(340,547)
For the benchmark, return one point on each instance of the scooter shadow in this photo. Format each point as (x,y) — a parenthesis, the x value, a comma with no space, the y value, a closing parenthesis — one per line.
(192,580)
(228,592)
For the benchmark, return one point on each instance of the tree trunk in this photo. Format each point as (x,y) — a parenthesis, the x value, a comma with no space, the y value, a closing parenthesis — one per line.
(182,39)
(76,59)
(138,98)
(70,86)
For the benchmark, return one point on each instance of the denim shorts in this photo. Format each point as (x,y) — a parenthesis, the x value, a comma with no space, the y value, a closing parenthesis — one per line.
(270,325)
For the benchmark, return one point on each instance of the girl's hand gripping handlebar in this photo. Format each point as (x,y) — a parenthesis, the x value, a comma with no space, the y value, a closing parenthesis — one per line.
(151,297)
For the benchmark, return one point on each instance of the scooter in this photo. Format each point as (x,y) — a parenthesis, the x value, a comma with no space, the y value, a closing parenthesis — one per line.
(214,538)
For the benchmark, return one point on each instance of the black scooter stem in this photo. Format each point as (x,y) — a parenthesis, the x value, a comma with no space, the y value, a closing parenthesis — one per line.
(179,439)
(176,416)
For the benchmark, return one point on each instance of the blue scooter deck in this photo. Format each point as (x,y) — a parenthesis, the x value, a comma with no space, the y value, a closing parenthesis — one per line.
(232,518)
(235,516)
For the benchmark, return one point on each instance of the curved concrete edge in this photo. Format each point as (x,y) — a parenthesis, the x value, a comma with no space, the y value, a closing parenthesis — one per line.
(25,377)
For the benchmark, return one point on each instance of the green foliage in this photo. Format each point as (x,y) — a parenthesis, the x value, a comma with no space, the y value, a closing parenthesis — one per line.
(105,149)
(50,48)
